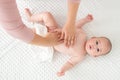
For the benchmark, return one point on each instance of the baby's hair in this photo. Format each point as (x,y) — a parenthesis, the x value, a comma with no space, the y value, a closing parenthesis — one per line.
(109,43)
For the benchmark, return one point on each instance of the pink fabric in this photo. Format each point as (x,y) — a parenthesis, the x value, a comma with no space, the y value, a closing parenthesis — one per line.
(11,21)
(77,1)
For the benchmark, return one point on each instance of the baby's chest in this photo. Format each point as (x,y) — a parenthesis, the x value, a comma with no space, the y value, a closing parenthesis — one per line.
(79,47)
(76,50)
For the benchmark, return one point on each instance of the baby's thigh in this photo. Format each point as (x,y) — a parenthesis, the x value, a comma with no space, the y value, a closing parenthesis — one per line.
(51,28)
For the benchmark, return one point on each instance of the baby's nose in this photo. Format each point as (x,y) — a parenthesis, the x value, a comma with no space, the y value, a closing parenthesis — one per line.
(93,46)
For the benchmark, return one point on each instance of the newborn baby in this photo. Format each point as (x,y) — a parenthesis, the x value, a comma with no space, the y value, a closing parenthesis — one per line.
(95,46)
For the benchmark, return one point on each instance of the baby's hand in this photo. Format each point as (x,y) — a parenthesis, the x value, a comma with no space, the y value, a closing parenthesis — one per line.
(59,74)
(89,18)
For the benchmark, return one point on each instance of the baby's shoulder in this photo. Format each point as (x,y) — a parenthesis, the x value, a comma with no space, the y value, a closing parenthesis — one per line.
(79,51)
(80,31)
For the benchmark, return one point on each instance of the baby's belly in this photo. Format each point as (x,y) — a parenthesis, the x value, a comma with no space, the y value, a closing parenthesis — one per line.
(77,48)
(63,49)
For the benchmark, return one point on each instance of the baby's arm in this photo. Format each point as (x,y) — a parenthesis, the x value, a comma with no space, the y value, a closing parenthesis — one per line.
(83,21)
(69,64)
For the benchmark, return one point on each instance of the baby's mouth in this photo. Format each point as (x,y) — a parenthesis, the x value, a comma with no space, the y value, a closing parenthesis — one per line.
(89,47)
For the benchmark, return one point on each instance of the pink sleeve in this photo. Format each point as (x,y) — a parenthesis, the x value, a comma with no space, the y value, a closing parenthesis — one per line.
(11,21)
(75,1)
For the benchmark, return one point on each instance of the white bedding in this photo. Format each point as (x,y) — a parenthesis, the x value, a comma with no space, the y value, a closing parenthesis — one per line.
(20,61)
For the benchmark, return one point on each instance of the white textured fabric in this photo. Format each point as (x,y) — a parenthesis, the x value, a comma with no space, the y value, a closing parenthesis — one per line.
(43,53)
(18,61)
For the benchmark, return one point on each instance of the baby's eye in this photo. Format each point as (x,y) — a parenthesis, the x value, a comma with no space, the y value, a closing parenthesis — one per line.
(96,42)
(98,49)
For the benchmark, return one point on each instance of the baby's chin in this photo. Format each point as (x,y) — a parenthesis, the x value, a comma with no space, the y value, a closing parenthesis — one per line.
(86,48)
(91,54)
(88,52)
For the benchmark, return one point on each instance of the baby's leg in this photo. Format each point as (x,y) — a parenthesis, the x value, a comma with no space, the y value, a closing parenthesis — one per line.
(45,17)
(83,21)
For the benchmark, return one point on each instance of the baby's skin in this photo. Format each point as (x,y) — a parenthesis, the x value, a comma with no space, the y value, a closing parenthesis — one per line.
(95,46)
(77,52)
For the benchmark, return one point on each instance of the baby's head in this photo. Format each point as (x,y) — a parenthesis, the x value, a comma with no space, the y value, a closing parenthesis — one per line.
(97,46)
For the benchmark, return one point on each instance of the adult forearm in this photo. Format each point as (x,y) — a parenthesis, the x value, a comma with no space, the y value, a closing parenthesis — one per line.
(72,10)
(40,41)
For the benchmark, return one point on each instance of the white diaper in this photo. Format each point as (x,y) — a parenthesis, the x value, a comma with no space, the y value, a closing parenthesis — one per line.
(42,53)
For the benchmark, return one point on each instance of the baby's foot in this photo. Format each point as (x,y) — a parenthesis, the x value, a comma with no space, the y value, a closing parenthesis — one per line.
(88,18)
(28,14)
(59,74)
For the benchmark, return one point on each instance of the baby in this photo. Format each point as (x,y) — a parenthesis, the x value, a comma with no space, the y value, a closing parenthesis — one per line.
(95,46)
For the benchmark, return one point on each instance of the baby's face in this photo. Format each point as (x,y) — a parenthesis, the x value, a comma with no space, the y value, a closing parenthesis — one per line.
(97,46)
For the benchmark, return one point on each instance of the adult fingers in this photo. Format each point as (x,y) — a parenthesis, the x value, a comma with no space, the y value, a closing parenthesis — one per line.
(66,40)
(62,35)
(72,40)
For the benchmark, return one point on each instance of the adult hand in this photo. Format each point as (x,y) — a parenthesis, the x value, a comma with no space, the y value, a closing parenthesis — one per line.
(53,38)
(68,34)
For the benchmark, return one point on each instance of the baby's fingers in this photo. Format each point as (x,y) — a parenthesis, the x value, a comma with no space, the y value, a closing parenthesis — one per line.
(59,74)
